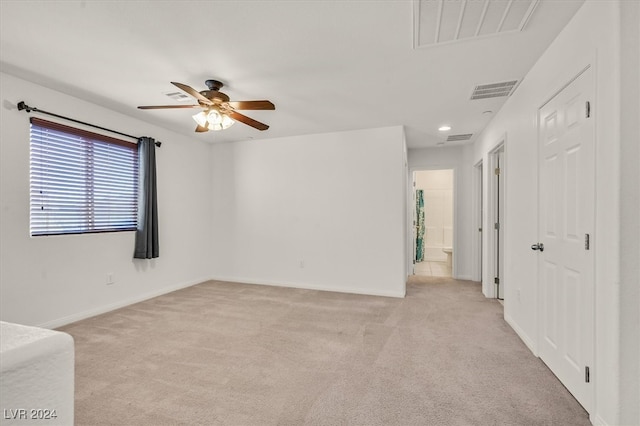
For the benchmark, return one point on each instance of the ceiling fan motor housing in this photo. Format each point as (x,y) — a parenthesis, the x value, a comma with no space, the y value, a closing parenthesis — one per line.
(214,85)
(215,96)
(214,93)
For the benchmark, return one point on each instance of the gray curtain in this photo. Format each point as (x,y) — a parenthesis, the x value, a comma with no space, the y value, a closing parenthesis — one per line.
(147,234)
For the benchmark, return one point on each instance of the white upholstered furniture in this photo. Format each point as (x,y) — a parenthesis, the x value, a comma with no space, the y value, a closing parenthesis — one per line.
(36,376)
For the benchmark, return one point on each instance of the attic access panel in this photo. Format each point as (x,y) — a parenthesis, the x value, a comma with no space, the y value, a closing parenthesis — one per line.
(447,21)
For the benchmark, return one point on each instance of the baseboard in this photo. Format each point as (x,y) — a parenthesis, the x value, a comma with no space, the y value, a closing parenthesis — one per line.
(597,420)
(464,277)
(350,290)
(117,305)
(59,322)
(523,336)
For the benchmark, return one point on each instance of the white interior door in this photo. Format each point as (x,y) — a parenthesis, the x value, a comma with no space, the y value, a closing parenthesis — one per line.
(566,222)
(495,235)
(499,224)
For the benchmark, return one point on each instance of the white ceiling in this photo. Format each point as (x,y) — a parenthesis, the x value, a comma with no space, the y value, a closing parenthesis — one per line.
(326,65)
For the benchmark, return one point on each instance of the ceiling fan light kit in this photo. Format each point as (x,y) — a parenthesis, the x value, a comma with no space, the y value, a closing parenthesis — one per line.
(218,112)
(213,120)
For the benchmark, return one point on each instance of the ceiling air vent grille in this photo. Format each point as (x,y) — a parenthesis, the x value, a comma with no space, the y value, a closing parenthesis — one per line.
(456,138)
(493,90)
(178,96)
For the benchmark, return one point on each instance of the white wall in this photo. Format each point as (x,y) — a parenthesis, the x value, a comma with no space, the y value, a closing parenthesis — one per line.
(456,158)
(322,211)
(630,213)
(50,281)
(592,37)
(438,208)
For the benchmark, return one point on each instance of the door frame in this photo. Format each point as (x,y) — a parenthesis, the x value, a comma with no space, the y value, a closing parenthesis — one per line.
(478,221)
(489,261)
(412,205)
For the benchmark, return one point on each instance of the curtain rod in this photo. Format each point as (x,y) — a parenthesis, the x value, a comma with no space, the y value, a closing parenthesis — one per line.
(23,106)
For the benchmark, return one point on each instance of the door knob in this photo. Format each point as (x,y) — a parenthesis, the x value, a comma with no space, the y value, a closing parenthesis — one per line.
(538,246)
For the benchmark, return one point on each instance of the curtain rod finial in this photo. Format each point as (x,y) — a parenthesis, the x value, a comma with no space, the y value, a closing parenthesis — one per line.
(22,105)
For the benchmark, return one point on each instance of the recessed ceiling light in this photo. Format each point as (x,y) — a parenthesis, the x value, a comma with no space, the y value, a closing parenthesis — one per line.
(444,128)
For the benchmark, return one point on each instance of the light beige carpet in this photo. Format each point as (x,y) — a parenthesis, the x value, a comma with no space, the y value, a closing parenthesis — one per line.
(233,354)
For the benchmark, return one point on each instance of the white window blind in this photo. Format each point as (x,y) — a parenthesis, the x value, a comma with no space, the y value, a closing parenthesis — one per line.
(81,181)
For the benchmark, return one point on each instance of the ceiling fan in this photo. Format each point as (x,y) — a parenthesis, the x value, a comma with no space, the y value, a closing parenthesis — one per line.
(218,112)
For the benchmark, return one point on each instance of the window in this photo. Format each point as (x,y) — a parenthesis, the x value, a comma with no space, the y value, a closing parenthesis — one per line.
(81,181)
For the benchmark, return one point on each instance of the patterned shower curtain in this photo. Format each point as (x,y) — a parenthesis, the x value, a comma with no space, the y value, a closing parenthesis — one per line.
(419,225)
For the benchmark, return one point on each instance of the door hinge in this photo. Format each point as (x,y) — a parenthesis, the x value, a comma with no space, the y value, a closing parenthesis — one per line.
(587,378)
(587,243)
(496,280)
(588,109)
(497,171)
(496,226)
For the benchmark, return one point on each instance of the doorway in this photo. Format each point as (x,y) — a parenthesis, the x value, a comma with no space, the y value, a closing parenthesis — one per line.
(434,249)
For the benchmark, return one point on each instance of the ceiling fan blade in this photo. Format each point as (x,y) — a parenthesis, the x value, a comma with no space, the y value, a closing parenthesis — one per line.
(252,105)
(201,129)
(168,106)
(193,92)
(248,121)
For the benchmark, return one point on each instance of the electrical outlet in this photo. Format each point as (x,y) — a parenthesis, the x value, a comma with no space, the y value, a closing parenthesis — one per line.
(110,278)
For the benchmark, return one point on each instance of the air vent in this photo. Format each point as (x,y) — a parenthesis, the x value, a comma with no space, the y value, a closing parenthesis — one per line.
(178,96)
(493,90)
(456,138)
